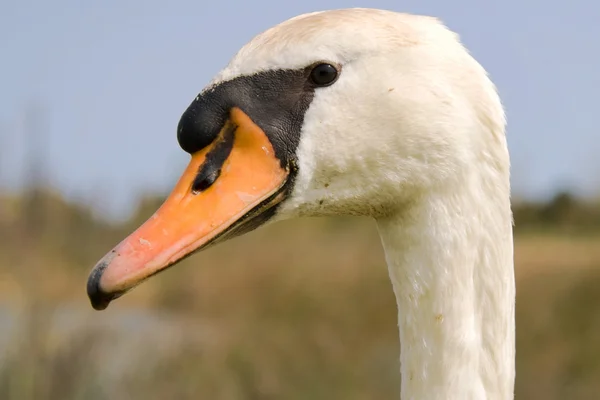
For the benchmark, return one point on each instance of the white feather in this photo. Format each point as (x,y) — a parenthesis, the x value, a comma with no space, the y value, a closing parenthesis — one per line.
(412,134)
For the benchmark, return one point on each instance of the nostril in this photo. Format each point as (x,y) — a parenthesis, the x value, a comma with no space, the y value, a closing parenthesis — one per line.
(205,179)
(216,157)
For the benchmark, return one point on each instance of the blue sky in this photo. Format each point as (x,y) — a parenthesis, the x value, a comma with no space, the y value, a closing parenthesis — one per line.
(113,78)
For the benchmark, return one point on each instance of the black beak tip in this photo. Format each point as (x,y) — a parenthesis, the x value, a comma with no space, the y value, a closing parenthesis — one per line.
(98,298)
(99,305)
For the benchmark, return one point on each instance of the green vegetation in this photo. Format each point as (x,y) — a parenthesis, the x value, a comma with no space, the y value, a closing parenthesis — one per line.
(297,310)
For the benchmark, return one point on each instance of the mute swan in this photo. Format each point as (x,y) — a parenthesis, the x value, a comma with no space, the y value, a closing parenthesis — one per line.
(358,112)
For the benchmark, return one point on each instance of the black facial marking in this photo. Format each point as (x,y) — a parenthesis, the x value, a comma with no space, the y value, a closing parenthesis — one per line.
(211,167)
(275,100)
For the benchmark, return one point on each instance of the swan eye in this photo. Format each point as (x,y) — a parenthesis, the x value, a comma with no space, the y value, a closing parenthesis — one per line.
(323,74)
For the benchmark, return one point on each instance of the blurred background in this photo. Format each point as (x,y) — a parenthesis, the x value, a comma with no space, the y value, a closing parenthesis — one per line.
(90,95)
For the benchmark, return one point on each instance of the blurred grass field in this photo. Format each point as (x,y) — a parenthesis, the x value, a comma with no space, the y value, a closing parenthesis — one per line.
(297,310)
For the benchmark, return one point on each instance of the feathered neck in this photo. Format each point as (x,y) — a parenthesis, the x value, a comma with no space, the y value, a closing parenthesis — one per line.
(450,257)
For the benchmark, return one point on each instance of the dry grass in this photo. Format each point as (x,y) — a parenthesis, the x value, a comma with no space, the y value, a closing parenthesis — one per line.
(299,310)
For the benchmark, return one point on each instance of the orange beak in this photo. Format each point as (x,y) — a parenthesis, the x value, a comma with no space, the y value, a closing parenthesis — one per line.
(225,185)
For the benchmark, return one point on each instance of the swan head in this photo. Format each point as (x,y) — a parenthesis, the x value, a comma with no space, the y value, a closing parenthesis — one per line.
(355,112)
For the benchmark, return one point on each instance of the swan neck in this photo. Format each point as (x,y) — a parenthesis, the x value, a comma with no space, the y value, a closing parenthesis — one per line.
(451,266)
